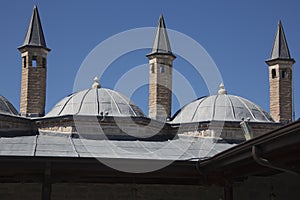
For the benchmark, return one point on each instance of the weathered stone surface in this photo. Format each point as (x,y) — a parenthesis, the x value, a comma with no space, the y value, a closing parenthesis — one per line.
(281,100)
(160,86)
(33,85)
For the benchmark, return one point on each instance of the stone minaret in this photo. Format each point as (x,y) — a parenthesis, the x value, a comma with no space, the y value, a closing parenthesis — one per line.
(281,79)
(34,68)
(160,78)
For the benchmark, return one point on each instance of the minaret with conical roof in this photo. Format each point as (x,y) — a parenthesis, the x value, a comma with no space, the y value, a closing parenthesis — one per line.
(160,78)
(34,53)
(281,78)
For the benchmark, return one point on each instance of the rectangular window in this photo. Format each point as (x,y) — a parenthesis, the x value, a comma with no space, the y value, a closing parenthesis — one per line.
(33,62)
(273,73)
(44,62)
(161,69)
(24,62)
(284,74)
(152,68)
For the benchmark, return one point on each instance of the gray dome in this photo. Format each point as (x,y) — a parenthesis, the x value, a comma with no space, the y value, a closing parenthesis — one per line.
(221,107)
(96,102)
(6,107)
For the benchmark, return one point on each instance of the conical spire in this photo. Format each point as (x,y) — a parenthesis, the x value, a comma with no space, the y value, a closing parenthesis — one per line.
(35,36)
(161,43)
(280,47)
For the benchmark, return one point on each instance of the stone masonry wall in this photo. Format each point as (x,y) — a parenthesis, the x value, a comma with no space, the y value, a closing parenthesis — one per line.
(33,92)
(281,92)
(33,86)
(226,130)
(160,87)
(12,124)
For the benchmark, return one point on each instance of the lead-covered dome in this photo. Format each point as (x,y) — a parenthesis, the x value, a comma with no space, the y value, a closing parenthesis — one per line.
(221,107)
(96,102)
(6,107)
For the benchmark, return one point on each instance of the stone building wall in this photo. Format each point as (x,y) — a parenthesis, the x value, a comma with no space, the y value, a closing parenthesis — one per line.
(224,130)
(281,102)
(145,128)
(14,124)
(33,92)
(160,86)
(33,83)
(94,127)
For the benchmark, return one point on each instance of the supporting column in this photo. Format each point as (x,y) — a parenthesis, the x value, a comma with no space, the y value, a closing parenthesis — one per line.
(228,192)
(46,187)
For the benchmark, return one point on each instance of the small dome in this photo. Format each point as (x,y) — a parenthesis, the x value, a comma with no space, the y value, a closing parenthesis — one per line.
(96,102)
(221,107)
(6,107)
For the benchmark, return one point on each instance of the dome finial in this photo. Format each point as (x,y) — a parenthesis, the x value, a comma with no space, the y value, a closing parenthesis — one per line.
(222,89)
(96,83)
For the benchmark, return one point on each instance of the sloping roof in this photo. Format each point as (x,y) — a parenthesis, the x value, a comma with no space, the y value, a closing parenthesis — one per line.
(161,44)
(47,144)
(280,48)
(34,35)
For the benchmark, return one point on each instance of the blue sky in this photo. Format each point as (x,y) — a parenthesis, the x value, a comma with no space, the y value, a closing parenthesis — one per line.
(238,35)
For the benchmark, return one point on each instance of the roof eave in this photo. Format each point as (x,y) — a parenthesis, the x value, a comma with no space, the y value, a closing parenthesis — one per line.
(33,46)
(160,53)
(277,60)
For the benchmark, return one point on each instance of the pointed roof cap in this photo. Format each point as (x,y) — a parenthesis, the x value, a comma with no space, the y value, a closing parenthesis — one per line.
(34,36)
(161,44)
(280,48)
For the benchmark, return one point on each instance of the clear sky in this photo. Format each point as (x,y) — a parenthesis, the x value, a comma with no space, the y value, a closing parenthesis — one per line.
(238,35)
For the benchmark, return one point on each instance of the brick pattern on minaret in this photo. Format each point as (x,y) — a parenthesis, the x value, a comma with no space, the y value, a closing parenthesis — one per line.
(160,87)
(281,79)
(281,104)
(160,75)
(33,84)
(34,69)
